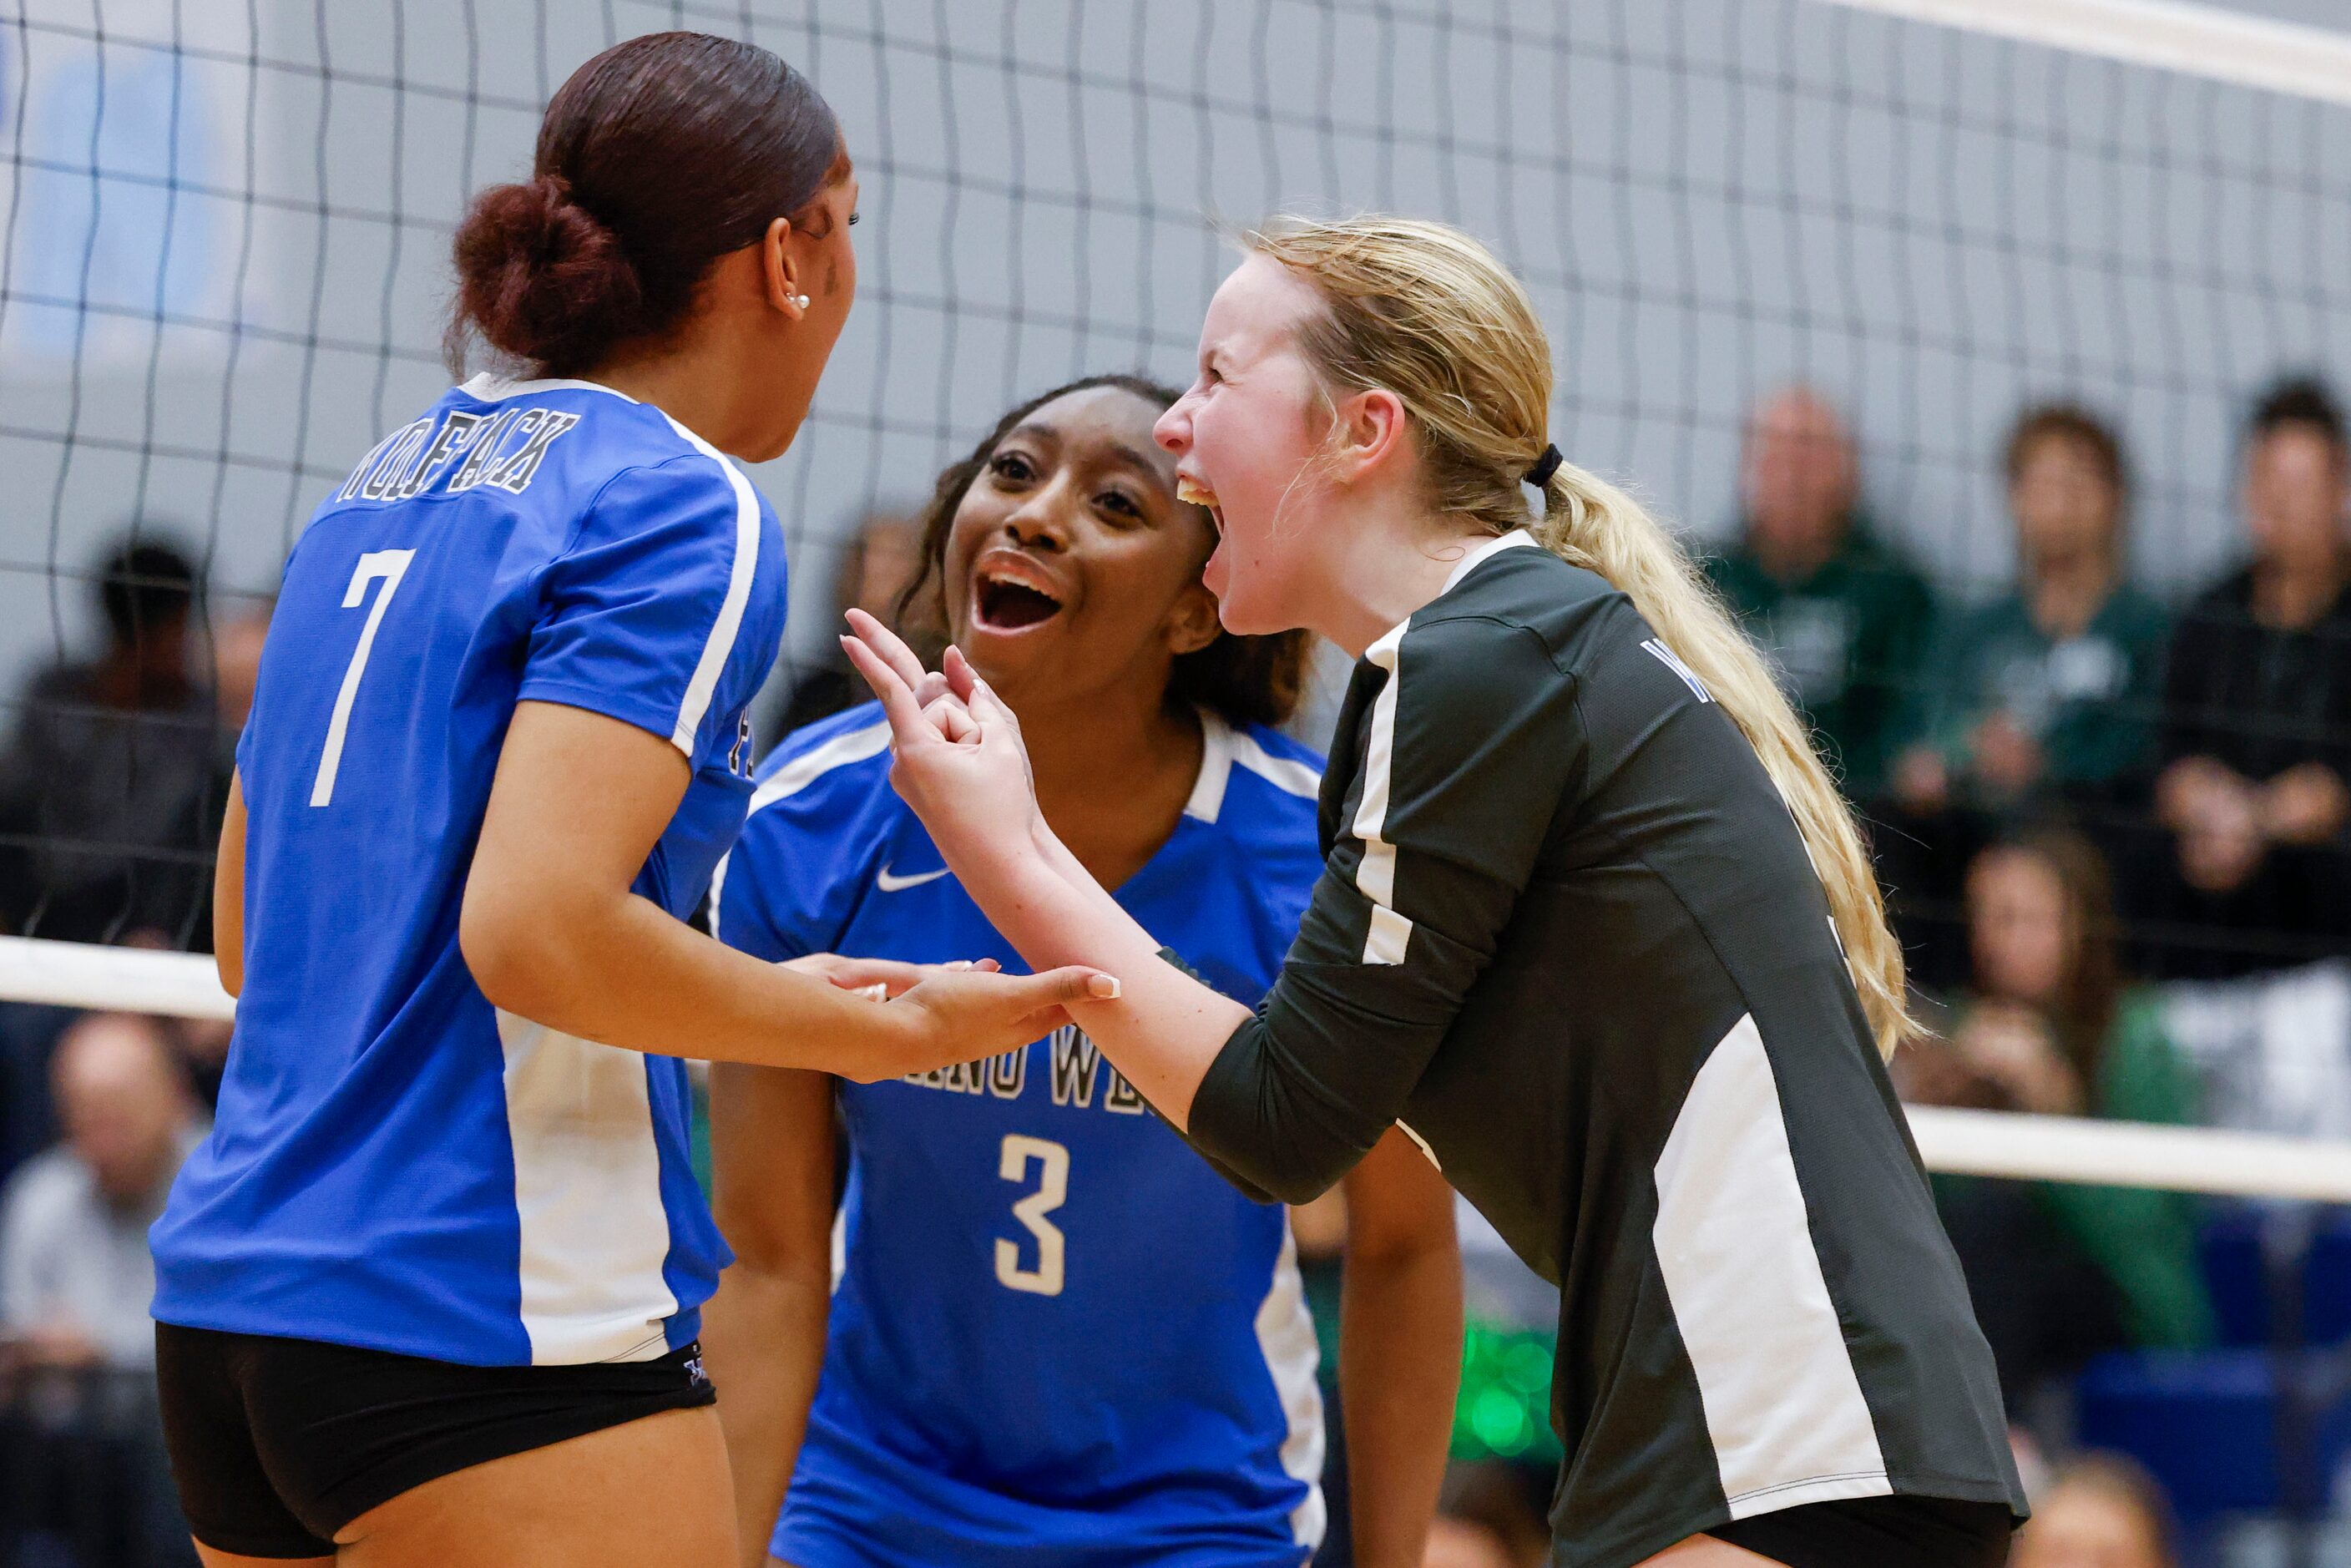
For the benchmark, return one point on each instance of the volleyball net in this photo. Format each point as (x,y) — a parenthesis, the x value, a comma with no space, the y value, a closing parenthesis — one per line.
(224,275)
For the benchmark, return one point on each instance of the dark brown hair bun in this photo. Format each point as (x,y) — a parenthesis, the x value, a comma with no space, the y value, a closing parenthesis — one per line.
(656,158)
(541,278)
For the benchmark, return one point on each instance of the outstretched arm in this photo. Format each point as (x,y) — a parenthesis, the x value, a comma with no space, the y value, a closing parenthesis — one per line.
(1288,1099)
(554,932)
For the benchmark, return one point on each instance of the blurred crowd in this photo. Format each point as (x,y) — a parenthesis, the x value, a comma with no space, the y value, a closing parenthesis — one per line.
(2115,829)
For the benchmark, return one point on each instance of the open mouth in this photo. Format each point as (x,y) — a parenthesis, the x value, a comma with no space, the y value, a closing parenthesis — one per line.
(1007,604)
(1191,492)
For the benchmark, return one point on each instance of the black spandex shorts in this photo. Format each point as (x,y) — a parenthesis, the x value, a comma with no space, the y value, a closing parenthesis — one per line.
(1878,1532)
(277,1444)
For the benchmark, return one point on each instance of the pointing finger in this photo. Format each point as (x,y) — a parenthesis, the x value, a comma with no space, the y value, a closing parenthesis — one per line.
(889,645)
(907,725)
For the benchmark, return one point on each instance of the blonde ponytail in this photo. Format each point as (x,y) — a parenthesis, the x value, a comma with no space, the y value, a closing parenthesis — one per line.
(1596,525)
(1427,313)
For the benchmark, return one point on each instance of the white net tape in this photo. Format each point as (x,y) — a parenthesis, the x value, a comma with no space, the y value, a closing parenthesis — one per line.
(1971,1143)
(2198,40)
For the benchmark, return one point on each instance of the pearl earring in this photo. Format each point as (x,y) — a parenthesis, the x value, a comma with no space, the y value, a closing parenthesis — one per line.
(800,300)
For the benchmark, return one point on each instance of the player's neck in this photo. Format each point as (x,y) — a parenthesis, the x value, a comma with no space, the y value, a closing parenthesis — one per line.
(1386,562)
(699,380)
(1113,775)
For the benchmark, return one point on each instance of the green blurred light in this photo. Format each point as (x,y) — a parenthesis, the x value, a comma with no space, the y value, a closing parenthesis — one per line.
(1504,1408)
(1526,1367)
(1499,1422)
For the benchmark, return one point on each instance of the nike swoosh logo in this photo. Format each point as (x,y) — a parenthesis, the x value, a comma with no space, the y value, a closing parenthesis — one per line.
(889,883)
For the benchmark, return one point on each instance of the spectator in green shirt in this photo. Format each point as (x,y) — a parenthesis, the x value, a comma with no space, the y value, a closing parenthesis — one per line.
(2054,688)
(2060,1271)
(1844,619)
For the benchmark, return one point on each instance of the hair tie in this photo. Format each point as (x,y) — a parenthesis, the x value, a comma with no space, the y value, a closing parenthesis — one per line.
(1545,466)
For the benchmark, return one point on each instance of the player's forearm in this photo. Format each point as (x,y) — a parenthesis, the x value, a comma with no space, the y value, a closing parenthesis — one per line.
(1399,1372)
(620,969)
(1164,1029)
(763,1344)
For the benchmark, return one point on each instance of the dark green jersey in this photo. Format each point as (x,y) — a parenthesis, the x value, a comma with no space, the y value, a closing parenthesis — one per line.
(1568,937)
(2090,701)
(1848,643)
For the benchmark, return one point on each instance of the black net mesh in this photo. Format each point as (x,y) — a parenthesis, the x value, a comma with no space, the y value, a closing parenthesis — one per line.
(226,272)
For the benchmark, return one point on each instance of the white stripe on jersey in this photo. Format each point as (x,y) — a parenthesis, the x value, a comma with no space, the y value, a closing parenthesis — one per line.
(1784,1405)
(1221,747)
(1390,933)
(721,645)
(851,745)
(1290,777)
(587,1190)
(718,888)
(490,388)
(1285,1333)
(1208,797)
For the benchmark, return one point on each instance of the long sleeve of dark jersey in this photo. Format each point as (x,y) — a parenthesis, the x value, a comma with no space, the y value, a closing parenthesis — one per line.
(1465,752)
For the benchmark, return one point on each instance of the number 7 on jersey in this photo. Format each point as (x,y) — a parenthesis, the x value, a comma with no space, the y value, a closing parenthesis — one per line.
(391,565)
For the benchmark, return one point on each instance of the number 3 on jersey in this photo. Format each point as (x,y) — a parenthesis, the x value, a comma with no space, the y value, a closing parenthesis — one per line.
(1053,1190)
(391,565)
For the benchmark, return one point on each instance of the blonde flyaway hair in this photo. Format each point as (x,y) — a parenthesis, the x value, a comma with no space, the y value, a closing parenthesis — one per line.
(1425,312)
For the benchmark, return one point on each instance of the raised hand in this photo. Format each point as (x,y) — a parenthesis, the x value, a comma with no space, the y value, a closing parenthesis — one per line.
(957,756)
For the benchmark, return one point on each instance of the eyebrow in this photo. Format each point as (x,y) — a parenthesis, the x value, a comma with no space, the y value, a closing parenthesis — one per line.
(1136,457)
(1132,456)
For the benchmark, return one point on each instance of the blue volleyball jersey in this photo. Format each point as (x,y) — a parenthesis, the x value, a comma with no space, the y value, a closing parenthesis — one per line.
(1058,1337)
(396,1163)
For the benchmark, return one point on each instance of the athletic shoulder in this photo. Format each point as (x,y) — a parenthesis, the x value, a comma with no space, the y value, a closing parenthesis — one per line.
(1526,591)
(1519,620)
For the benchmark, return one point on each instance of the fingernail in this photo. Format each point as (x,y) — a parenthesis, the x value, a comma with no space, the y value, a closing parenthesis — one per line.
(959,963)
(877,992)
(1103,987)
